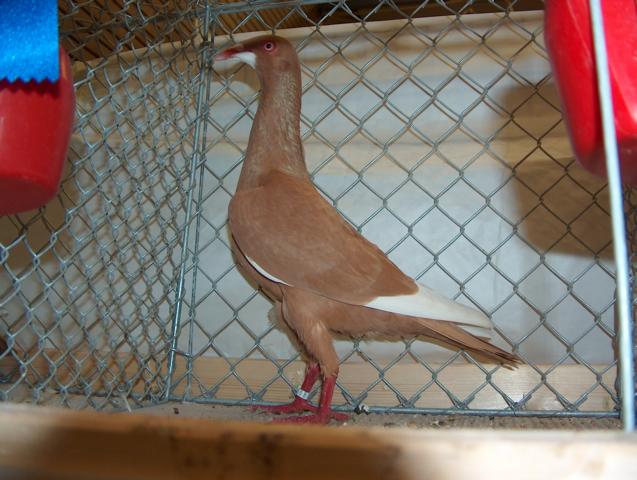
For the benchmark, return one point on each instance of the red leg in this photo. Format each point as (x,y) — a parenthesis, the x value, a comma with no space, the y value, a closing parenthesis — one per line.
(324,413)
(299,404)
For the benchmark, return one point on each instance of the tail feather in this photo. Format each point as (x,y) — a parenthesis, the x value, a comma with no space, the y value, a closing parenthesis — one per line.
(357,320)
(459,338)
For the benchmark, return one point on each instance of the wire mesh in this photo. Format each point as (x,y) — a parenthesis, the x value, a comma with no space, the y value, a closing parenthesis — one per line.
(630,207)
(87,283)
(440,139)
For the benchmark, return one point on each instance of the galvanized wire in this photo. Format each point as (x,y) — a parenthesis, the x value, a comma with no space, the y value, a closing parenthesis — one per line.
(432,98)
(611,152)
(630,207)
(87,283)
(134,252)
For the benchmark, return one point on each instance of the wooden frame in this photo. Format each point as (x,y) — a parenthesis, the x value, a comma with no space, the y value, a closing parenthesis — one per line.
(87,19)
(407,377)
(62,444)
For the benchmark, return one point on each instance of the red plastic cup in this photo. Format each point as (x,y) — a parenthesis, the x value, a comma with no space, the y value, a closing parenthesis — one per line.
(569,41)
(36,121)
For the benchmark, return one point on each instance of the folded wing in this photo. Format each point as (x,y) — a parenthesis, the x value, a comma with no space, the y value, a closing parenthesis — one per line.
(291,235)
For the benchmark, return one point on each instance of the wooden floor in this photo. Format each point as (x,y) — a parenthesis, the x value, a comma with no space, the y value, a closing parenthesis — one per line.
(62,444)
(411,421)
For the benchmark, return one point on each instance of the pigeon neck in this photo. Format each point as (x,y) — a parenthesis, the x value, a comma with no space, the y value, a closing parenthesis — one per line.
(275,140)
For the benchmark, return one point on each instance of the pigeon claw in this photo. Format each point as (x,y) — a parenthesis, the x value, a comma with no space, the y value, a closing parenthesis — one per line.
(298,405)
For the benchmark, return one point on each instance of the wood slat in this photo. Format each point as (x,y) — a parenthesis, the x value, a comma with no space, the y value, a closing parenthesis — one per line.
(95,29)
(100,28)
(416,9)
(462,380)
(54,444)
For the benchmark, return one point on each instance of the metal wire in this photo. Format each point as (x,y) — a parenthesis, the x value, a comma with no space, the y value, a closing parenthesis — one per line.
(619,228)
(87,283)
(125,285)
(196,159)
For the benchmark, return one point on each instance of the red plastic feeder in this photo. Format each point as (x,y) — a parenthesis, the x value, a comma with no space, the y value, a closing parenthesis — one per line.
(36,120)
(569,41)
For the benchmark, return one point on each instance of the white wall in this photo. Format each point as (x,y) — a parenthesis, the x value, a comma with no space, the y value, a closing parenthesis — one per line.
(521,178)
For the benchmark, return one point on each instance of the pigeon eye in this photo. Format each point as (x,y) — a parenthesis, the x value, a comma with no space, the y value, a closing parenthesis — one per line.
(269,46)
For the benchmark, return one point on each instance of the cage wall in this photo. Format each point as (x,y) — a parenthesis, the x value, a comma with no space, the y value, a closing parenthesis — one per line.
(88,282)
(439,138)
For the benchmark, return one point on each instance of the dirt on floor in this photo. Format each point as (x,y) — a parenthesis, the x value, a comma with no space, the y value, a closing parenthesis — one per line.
(242,413)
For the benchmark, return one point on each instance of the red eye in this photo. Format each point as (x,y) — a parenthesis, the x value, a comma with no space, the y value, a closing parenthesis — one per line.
(268,46)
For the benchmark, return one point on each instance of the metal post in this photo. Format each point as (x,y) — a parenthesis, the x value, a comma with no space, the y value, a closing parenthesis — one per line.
(198,152)
(623,304)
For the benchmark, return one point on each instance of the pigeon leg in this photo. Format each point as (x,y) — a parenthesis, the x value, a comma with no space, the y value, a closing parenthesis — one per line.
(300,403)
(324,413)
(302,312)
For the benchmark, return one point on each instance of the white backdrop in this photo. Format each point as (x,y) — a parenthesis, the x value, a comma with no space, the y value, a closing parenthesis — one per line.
(553,195)
(519,176)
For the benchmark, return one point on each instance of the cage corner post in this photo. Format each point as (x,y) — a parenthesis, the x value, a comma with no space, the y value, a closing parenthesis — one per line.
(195,165)
(627,390)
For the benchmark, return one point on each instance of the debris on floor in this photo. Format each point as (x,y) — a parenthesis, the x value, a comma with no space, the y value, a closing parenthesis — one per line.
(392,420)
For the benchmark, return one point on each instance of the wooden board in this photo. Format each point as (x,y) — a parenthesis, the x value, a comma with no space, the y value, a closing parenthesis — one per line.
(54,444)
(460,379)
(407,377)
(100,28)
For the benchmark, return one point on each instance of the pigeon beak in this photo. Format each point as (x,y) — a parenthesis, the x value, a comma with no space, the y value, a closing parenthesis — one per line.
(239,52)
(228,53)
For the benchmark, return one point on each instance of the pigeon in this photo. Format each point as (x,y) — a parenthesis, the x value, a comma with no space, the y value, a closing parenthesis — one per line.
(323,276)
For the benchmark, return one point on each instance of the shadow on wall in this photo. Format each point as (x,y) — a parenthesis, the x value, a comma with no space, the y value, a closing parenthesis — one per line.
(31,260)
(91,270)
(565,209)
(18,340)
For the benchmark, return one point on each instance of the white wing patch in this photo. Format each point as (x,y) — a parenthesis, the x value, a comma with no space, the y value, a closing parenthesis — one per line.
(426,303)
(264,273)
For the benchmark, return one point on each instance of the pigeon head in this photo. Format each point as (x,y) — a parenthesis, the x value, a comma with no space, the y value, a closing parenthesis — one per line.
(264,52)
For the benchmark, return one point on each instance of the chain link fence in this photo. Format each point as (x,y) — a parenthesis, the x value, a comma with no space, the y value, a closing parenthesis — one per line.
(88,283)
(439,137)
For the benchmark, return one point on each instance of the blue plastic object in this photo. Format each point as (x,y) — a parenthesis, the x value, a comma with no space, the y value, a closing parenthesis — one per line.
(29,44)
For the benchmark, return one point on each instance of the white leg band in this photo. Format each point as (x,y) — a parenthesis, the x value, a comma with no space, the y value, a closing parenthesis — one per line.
(302,393)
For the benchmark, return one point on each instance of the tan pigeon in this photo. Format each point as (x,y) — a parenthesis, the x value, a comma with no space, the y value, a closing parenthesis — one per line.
(323,276)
